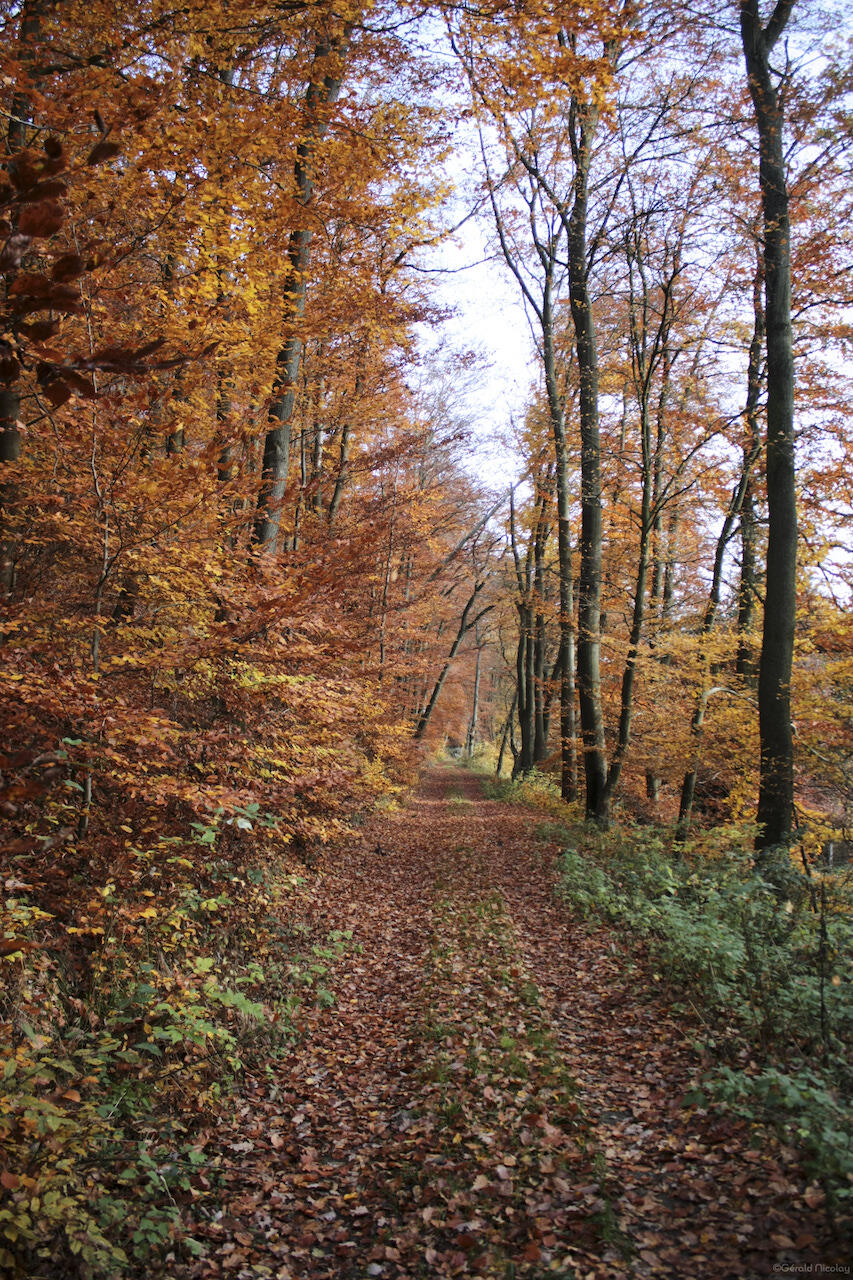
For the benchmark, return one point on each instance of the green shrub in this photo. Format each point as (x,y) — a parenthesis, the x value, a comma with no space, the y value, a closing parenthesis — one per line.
(768,956)
(806,1112)
(116,1062)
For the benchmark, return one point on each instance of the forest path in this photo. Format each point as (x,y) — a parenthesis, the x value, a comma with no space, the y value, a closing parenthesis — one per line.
(495,1092)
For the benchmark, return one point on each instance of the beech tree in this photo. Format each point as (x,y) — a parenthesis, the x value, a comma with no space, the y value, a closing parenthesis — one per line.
(776,790)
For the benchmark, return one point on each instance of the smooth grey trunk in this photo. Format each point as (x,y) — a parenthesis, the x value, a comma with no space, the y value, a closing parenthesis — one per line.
(776,782)
(547,251)
(342,475)
(650,328)
(523,762)
(344,442)
(660,549)
(584,123)
(540,743)
(386,583)
(568,744)
(629,673)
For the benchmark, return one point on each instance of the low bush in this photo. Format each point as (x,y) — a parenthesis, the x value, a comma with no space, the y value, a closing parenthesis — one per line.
(126,1029)
(766,958)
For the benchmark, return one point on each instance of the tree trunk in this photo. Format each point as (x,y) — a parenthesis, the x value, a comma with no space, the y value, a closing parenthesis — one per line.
(568,734)
(540,744)
(584,124)
(776,785)
(465,626)
(322,94)
(10,451)
(649,330)
(748,523)
(524,683)
(524,671)
(471,737)
(507,731)
(659,544)
(688,785)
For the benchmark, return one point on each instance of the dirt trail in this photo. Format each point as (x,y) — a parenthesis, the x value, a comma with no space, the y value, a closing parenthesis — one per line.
(493,1093)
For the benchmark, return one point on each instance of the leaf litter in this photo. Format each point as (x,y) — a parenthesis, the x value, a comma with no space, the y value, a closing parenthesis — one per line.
(497,1090)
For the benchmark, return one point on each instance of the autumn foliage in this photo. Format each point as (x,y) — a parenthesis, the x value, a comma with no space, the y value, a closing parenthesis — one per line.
(247,568)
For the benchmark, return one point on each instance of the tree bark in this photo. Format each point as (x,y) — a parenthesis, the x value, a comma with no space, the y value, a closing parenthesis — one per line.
(507,730)
(776,783)
(746,666)
(568,750)
(524,674)
(466,622)
(649,334)
(584,123)
(322,94)
(471,737)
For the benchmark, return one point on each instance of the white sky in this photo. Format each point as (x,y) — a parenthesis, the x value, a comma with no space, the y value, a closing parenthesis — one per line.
(490,320)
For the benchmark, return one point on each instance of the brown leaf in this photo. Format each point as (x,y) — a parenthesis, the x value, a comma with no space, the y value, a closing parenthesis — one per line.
(41,220)
(34,292)
(58,393)
(39,330)
(30,284)
(26,170)
(68,267)
(79,383)
(102,151)
(8,946)
(50,189)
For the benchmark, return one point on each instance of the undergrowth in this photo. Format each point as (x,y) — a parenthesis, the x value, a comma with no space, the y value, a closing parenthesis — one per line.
(763,960)
(120,1052)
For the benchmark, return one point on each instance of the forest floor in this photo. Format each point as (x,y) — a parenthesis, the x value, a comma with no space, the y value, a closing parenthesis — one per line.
(497,1090)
